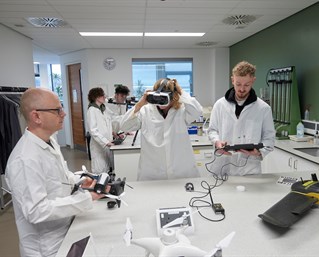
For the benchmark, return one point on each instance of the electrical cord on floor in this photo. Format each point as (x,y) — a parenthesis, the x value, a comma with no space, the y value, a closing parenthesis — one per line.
(199,202)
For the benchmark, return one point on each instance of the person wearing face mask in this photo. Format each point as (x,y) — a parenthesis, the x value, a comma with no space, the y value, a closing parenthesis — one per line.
(166,150)
(240,117)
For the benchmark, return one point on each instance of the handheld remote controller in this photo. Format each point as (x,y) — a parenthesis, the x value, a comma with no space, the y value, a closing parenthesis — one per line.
(248,147)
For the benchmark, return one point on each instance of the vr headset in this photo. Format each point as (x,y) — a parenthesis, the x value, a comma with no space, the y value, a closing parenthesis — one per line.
(160,98)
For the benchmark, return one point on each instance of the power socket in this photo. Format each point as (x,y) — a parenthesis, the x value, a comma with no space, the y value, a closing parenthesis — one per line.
(218,208)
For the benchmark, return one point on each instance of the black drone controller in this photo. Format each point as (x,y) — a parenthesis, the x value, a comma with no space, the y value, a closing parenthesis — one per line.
(248,147)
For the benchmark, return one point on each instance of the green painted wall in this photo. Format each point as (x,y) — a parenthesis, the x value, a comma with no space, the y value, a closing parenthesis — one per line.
(292,42)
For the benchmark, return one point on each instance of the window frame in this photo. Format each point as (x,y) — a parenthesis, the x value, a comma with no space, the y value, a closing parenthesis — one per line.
(165,74)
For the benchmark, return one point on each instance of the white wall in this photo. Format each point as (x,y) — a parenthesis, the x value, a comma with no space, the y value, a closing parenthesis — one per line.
(16,59)
(210,71)
(122,74)
(220,72)
(45,76)
(43,56)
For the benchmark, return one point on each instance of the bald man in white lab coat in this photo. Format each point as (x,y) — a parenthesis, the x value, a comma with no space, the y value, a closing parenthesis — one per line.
(40,181)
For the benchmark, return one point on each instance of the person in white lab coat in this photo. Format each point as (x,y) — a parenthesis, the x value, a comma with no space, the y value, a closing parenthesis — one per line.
(239,118)
(99,121)
(166,150)
(40,181)
(117,104)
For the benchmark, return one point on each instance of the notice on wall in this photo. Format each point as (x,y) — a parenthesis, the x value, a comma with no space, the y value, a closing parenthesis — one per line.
(75,96)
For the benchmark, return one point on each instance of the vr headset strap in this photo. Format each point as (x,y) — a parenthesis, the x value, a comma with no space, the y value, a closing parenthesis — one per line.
(162,85)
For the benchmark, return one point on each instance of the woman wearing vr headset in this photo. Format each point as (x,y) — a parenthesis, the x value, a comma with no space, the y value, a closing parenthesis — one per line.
(162,116)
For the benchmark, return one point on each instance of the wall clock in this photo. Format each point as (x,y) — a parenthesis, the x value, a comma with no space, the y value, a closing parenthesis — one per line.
(109,63)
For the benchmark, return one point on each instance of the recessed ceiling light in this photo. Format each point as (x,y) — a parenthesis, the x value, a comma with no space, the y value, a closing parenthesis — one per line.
(173,34)
(111,34)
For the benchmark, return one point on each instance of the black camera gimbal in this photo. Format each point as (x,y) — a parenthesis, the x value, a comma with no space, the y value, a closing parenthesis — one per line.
(103,180)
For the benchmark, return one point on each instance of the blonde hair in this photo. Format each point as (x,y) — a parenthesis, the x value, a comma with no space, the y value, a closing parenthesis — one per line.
(243,69)
(171,86)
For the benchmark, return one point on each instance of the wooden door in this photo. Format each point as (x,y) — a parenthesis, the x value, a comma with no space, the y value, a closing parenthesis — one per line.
(76,106)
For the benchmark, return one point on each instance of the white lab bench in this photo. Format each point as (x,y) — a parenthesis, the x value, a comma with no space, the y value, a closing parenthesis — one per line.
(126,156)
(253,236)
(286,158)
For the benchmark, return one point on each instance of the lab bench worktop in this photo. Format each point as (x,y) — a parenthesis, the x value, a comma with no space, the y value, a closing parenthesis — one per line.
(126,156)
(198,141)
(127,143)
(290,146)
(253,236)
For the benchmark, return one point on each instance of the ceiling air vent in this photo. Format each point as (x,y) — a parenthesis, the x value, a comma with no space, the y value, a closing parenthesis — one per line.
(206,43)
(239,20)
(44,22)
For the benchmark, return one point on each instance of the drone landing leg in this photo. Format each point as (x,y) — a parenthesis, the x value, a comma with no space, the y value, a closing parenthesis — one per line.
(218,254)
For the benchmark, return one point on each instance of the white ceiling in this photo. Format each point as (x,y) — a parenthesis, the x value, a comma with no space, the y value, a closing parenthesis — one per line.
(142,16)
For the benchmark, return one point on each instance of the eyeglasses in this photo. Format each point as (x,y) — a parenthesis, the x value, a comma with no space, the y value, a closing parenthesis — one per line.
(58,110)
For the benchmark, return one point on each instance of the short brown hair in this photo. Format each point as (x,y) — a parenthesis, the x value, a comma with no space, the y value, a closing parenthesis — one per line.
(243,69)
(121,89)
(95,93)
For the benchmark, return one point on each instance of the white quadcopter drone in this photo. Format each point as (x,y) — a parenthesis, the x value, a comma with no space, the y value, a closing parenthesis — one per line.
(173,243)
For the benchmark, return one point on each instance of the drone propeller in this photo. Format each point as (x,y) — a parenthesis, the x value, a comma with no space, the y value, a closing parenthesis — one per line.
(128,232)
(180,220)
(84,169)
(117,197)
(221,244)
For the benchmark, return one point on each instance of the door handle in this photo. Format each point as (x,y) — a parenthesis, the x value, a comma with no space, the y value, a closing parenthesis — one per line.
(289,161)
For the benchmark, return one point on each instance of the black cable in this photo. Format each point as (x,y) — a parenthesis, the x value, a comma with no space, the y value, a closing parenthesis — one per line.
(224,176)
(135,136)
(199,202)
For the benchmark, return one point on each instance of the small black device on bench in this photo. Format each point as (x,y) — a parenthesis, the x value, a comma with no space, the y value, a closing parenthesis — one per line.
(119,140)
(248,147)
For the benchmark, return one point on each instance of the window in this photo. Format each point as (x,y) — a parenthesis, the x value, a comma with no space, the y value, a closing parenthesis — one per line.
(56,80)
(37,79)
(147,71)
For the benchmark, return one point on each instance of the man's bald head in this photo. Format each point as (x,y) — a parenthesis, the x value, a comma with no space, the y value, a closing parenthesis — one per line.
(34,98)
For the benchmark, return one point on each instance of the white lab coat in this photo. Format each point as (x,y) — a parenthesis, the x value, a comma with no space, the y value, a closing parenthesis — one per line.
(118,110)
(255,125)
(166,150)
(41,183)
(100,128)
